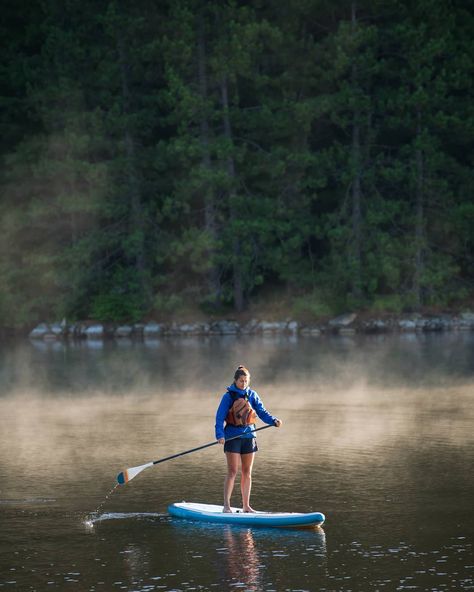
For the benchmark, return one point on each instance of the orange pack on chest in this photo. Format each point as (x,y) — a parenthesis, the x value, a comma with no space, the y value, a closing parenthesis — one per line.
(240,412)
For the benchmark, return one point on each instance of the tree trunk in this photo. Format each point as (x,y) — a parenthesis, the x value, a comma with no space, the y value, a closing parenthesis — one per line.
(236,252)
(419,219)
(137,218)
(214,284)
(355,251)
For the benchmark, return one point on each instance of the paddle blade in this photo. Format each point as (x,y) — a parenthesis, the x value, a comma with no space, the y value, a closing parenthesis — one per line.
(129,474)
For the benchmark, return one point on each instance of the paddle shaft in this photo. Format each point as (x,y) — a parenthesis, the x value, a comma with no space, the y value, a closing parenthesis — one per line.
(156,462)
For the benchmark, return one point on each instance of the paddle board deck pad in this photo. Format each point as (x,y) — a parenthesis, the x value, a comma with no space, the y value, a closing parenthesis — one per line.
(212,513)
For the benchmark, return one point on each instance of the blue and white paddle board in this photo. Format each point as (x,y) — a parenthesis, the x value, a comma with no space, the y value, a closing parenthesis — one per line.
(212,513)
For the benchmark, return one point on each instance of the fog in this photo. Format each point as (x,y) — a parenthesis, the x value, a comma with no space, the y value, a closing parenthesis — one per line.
(100,409)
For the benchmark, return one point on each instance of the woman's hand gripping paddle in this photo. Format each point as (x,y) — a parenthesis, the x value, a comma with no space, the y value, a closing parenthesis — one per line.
(129,474)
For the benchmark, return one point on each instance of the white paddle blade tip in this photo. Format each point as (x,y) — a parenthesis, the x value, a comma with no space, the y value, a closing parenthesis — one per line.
(129,474)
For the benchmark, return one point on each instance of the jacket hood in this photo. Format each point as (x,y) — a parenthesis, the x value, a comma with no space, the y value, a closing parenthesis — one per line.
(233,389)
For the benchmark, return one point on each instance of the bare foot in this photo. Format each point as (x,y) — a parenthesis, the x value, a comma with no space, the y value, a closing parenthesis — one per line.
(227,510)
(249,510)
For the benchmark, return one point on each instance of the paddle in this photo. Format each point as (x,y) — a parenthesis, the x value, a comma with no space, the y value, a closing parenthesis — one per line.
(129,474)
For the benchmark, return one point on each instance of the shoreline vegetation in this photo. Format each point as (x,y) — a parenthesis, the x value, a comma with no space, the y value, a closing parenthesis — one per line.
(223,166)
(345,324)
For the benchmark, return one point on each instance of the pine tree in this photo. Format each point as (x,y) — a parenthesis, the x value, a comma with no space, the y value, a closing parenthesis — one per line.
(428,57)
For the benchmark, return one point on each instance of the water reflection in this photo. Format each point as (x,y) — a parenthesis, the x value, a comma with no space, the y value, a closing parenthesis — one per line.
(382,360)
(241,559)
(253,558)
(45,346)
(135,557)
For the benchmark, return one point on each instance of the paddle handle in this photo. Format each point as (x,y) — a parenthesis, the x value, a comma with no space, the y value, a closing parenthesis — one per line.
(156,462)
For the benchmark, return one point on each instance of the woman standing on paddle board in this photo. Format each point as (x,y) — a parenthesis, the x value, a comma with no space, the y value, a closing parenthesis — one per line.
(235,416)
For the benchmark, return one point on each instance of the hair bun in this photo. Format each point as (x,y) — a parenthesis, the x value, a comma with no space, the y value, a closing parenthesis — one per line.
(241,371)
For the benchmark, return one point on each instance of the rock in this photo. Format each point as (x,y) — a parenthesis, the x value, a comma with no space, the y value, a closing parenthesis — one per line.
(193,328)
(447,322)
(252,326)
(40,331)
(58,329)
(292,326)
(272,327)
(225,327)
(466,320)
(433,324)
(95,332)
(344,325)
(152,329)
(138,329)
(172,329)
(80,330)
(407,324)
(123,331)
(376,325)
(343,320)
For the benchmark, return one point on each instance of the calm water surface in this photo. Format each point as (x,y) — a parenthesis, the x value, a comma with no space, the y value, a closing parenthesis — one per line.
(378,434)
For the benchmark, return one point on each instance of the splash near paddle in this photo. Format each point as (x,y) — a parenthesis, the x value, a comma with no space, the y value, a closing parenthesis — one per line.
(212,513)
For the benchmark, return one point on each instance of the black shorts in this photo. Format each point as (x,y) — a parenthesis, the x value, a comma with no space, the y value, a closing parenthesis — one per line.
(241,445)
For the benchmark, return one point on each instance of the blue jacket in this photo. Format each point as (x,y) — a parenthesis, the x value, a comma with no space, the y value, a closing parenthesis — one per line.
(226,402)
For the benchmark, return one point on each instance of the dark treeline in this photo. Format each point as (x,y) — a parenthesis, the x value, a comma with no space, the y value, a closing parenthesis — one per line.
(162,155)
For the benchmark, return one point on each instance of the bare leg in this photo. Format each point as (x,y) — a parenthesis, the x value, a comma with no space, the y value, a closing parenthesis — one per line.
(246,480)
(233,461)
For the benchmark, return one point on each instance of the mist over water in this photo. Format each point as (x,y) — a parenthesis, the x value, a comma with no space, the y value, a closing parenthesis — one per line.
(377,435)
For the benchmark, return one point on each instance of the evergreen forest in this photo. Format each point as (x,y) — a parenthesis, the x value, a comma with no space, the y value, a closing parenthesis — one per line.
(160,157)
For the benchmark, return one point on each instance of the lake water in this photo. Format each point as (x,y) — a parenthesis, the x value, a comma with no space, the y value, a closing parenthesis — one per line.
(378,435)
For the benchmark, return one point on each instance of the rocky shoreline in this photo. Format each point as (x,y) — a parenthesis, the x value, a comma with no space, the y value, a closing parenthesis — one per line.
(346,324)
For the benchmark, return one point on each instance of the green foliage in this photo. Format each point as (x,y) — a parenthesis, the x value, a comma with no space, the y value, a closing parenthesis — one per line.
(155,155)
(168,304)
(313,306)
(392,303)
(117,308)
